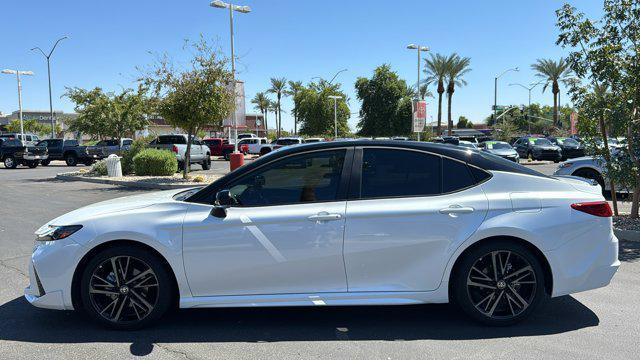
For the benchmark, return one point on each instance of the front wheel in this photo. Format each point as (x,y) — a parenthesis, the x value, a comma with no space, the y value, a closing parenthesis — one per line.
(45,162)
(125,288)
(10,162)
(32,164)
(499,283)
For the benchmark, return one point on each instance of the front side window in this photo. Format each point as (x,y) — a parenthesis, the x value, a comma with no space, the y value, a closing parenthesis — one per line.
(397,173)
(311,177)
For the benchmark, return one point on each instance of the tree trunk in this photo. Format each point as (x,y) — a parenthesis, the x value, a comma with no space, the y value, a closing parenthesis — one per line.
(449,120)
(440,92)
(266,124)
(632,153)
(187,156)
(556,90)
(279,116)
(607,157)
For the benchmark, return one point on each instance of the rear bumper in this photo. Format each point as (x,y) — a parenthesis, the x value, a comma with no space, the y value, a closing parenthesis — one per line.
(583,264)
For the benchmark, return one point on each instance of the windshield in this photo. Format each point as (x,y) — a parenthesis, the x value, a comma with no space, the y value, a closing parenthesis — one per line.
(498,146)
(542,142)
(287,141)
(568,141)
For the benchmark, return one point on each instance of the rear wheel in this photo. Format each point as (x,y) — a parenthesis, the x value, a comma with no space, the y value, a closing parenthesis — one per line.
(499,283)
(45,162)
(10,162)
(32,164)
(591,175)
(206,163)
(125,288)
(71,159)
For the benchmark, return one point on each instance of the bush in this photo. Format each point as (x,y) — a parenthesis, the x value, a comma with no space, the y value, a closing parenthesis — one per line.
(153,162)
(99,168)
(127,157)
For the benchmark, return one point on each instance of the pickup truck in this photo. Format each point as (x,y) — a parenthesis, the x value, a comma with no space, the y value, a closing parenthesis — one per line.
(200,152)
(104,148)
(222,147)
(279,143)
(13,153)
(67,150)
(253,144)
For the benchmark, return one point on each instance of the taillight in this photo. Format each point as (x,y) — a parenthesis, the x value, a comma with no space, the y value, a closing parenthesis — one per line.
(595,208)
(174,149)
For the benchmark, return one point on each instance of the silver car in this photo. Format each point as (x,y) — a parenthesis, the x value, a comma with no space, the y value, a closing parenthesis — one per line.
(588,167)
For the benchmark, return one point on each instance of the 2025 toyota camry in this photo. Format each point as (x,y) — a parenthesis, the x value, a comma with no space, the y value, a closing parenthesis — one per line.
(334,223)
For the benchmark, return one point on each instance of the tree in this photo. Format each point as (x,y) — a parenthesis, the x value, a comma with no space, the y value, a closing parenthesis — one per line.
(437,69)
(200,94)
(262,103)
(295,88)
(278,87)
(273,107)
(316,110)
(385,100)
(553,73)
(31,126)
(458,68)
(464,123)
(112,115)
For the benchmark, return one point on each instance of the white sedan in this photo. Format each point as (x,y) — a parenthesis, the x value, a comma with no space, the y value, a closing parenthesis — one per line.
(334,223)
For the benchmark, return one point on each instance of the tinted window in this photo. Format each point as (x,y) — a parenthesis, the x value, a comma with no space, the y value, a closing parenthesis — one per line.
(541,142)
(390,173)
(126,142)
(455,176)
(172,139)
(287,142)
(214,142)
(71,143)
(297,179)
(12,143)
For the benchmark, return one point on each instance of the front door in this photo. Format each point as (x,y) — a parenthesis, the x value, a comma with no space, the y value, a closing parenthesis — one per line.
(284,236)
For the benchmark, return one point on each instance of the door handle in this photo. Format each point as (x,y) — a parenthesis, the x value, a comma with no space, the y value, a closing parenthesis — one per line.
(457,209)
(324,216)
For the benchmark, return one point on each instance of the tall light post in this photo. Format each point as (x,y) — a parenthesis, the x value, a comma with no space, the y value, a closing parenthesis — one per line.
(17,73)
(419,49)
(335,114)
(529,88)
(48,57)
(495,90)
(242,9)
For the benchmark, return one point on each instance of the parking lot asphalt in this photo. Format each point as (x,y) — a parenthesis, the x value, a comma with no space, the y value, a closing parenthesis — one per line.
(599,324)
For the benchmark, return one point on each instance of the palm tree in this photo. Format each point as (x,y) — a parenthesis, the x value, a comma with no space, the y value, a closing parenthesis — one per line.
(437,68)
(261,102)
(553,73)
(273,107)
(295,88)
(458,68)
(278,87)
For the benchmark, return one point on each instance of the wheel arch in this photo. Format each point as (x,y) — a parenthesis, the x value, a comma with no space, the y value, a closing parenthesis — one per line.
(548,274)
(77,274)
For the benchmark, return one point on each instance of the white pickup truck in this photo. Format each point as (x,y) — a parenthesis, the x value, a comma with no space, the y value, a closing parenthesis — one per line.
(177,143)
(254,144)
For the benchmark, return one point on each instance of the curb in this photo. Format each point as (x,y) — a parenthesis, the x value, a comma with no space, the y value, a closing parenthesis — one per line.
(540,162)
(134,184)
(627,235)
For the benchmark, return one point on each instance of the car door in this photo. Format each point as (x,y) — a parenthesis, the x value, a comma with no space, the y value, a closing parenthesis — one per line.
(407,212)
(285,234)
(521,147)
(196,151)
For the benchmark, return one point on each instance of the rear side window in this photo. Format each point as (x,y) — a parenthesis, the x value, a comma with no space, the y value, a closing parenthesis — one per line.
(172,139)
(397,173)
(71,143)
(455,176)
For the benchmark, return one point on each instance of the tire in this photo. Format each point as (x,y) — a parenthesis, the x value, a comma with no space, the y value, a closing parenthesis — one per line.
(45,162)
(513,301)
(591,175)
(206,163)
(264,151)
(530,156)
(126,306)
(71,159)
(10,162)
(32,164)
(88,162)
(227,156)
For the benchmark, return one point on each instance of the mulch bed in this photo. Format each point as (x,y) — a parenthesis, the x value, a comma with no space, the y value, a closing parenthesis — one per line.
(626,223)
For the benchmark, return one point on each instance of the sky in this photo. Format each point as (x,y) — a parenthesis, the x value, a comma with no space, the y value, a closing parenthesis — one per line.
(298,40)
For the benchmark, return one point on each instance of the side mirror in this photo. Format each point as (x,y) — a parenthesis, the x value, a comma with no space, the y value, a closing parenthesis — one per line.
(224,198)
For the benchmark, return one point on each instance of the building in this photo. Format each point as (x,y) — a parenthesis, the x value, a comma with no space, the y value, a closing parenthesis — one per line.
(41,116)
(159,126)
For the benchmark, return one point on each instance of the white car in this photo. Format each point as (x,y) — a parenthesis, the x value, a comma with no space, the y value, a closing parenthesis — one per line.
(334,223)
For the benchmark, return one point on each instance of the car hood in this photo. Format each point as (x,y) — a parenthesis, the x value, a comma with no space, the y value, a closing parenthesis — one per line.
(545,147)
(76,217)
(502,152)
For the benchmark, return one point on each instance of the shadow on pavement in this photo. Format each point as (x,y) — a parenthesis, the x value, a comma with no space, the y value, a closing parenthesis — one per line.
(629,251)
(19,321)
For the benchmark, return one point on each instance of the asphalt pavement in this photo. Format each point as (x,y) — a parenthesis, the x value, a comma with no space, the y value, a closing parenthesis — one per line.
(599,324)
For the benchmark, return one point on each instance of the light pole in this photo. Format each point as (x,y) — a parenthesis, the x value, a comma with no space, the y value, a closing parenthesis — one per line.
(495,90)
(242,9)
(48,57)
(531,87)
(17,73)
(419,50)
(335,114)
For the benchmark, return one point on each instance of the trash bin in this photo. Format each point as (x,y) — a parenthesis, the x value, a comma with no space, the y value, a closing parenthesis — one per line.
(114,168)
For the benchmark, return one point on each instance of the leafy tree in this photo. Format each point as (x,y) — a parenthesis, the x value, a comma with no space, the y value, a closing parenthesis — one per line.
(437,70)
(278,87)
(201,94)
(458,68)
(262,103)
(316,110)
(464,123)
(553,73)
(386,104)
(295,88)
(107,114)
(31,126)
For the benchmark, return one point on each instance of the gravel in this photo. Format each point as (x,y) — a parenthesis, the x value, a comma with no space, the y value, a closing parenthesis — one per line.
(626,223)
(200,179)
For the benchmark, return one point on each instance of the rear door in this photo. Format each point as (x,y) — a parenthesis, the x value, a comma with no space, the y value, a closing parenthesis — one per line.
(408,211)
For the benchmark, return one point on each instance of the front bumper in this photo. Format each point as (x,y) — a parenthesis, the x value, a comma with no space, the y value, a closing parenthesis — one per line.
(35,157)
(547,156)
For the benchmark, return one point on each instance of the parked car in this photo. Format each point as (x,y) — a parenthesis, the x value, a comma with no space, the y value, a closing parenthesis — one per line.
(401,138)
(252,145)
(313,140)
(536,148)
(104,148)
(67,150)
(14,152)
(592,168)
(177,143)
(334,223)
(222,147)
(570,147)
(29,139)
(467,144)
(500,148)
(280,143)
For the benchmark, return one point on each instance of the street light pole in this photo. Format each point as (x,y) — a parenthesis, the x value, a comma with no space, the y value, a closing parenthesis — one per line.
(242,9)
(17,73)
(335,114)
(419,50)
(531,87)
(48,57)
(495,91)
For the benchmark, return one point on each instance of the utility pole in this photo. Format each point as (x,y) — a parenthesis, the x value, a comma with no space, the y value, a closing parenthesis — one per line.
(48,57)
(419,50)
(17,73)
(335,114)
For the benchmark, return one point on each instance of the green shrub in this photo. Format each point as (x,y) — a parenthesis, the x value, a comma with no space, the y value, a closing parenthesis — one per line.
(99,168)
(153,162)
(127,157)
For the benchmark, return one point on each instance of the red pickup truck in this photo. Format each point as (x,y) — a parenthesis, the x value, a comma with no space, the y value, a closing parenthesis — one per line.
(221,147)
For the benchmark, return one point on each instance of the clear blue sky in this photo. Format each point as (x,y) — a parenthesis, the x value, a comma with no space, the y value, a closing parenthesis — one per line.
(294,39)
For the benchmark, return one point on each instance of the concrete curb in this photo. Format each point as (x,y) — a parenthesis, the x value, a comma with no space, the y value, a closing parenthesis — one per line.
(627,235)
(134,184)
(536,162)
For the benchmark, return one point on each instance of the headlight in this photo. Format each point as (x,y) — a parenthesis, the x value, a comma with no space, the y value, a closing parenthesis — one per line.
(58,232)
(565,165)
